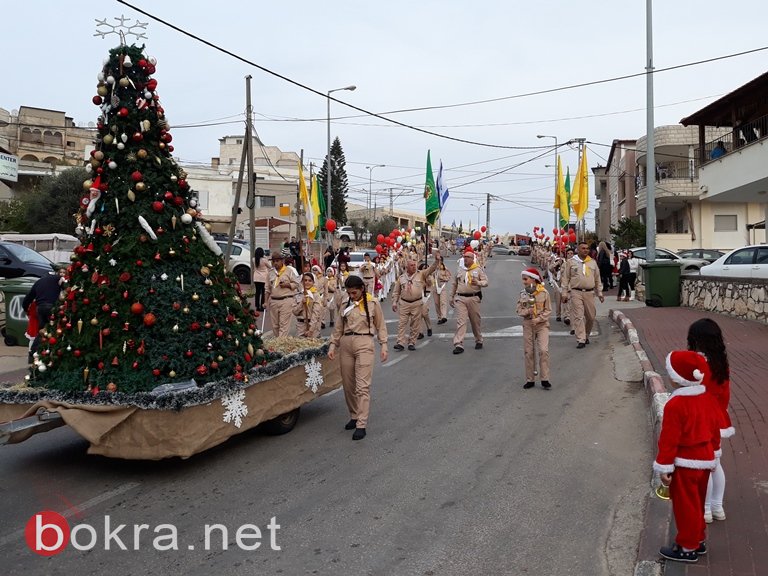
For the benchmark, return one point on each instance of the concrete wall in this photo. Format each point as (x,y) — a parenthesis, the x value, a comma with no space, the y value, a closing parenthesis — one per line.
(740,298)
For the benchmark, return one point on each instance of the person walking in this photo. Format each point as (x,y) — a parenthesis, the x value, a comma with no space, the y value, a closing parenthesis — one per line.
(260,277)
(705,337)
(581,286)
(331,287)
(466,296)
(280,289)
(688,441)
(428,289)
(407,301)
(624,273)
(440,294)
(634,263)
(368,271)
(605,264)
(536,309)
(361,321)
(308,308)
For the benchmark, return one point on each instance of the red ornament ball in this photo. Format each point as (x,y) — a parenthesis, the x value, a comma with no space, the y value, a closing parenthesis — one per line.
(137,308)
(158,206)
(149,319)
(97,100)
(123,112)
(137,176)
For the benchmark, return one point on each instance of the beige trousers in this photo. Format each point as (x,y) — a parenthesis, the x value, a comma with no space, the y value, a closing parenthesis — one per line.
(409,314)
(582,313)
(370,285)
(281,315)
(441,303)
(536,342)
(356,355)
(467,308)
(425,314)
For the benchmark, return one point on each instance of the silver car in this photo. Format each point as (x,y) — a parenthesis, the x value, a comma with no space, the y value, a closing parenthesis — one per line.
(686,264)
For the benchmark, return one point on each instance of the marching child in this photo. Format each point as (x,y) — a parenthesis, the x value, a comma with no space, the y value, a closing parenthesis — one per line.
(536,308)
(689,438)
(309,308)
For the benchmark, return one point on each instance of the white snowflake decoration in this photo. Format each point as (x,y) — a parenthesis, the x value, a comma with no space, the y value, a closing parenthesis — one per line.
(314,371)
(122,28)
(234,407)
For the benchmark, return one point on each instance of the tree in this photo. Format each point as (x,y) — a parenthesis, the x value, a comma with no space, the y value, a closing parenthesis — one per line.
(149,300)
(13,216)
(628,233)
(339,183)
(51,206)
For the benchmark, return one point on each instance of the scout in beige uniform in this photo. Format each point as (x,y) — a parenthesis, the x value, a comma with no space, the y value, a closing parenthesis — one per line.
(407,301)
(368,272)
(308,308)
(440,294)
(428,290)
(330,293)
(466,296)
(583,283)
(280,289)
(536,308)
(361,321)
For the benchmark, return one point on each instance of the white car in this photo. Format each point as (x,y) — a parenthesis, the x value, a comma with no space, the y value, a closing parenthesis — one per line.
(239,260)
(686,264)
(347,234)
(746,262)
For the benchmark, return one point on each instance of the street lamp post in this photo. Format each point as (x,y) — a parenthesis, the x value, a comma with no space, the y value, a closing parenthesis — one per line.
(478,213)
(328,166)
(370,192)
(557,216)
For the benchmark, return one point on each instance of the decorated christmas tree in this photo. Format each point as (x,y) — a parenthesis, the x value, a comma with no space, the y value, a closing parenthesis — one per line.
(148,299)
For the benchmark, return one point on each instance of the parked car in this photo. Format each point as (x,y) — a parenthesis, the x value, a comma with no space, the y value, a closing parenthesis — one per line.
(17,260)
(707,254)
(524,251)
(501,249)
(686,264)
(356,260)
(745,262)
(239,260)
(56,247)
(347,234)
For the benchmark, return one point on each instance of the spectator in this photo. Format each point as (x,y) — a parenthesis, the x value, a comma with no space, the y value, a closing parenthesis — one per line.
(45,293)
(718,150)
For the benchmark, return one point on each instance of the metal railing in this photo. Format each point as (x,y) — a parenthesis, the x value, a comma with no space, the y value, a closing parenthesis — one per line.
(742,135)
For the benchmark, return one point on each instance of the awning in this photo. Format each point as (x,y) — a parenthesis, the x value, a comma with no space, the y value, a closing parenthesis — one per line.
(272,222)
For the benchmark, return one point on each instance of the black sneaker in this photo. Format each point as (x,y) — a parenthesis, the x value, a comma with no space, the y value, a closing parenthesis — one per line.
(429,332)
(478,346)
(558,319)
(411,347)
(322,326)
(567,322)
(399,347)
(546,385)
(350,425)
(586,341)
(458,350)
(581,345)
(702,549)
(359,434)
(442,320)
(420,336)
(331,324)
(677,554)
(529,385)
(573,332)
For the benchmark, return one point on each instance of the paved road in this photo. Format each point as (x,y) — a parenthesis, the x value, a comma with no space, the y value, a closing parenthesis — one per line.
(462,472)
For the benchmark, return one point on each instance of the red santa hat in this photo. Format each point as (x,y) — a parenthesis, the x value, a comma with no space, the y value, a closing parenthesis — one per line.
(687,367)
(468,250)
(532,273)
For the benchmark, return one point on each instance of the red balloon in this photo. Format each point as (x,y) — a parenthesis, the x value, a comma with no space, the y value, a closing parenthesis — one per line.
(483,228)
(555,231)
(330,225)
(380,238)
(562,231)
(572,236)
(477,235)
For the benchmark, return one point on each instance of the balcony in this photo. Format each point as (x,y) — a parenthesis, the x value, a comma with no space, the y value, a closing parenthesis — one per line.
(676,181)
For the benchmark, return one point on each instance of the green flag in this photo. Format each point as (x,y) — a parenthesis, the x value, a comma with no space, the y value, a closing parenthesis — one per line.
(564,223)
(321,204)
(430,195)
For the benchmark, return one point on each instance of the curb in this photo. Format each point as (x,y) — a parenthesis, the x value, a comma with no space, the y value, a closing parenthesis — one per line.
(658,514)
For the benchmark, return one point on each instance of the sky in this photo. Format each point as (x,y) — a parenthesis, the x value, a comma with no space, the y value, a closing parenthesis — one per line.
(400,55)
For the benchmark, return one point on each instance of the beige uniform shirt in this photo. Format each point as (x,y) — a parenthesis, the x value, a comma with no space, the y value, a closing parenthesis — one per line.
(368,270)
(354,321)
(581,275)
(282,283)
(411,288)
(468,282)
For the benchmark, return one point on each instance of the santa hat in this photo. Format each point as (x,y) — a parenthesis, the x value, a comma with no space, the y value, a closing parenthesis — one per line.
(468,250)
(532,273)
(686,367)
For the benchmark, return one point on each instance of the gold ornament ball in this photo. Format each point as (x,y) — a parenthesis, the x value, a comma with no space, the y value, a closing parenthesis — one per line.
(112,387)
(192,212)
(215,302)
(102,90)
(95,163)
(123,82)
(87,184)
(141,153)
(207,227)
(205,271)
(98,155)
(161,145)
(140,187)
(108,139)
(172,373)
(220,358)
(94,321)
(185,310)
(195,297)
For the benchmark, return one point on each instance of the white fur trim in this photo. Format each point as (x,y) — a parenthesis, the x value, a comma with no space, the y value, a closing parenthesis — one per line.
(694,390)
(536,277)
(696,464)
(727,432)
(718,453)
(678,378)
(663,468)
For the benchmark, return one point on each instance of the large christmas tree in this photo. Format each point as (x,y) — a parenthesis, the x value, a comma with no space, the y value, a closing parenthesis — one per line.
(148,298)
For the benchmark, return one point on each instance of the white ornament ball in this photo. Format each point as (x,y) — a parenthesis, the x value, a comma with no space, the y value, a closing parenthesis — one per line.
(147,95)
(120,146)
(112,164)
(173,178)
(110,79)
(42,368)
(105,61)
(186,219)
(100,76)
(192,203)
(153,61)
(88,168)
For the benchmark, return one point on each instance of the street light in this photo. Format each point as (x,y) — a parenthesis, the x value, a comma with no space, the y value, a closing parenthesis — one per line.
(370,193)
(328,167)
(557,216)
(478,213)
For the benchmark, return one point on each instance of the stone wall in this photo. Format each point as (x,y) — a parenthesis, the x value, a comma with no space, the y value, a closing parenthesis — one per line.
(738,297)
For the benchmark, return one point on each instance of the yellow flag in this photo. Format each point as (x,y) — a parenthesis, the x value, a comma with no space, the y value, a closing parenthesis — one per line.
(304,198)
(315,202)
(580,193)
(562,196)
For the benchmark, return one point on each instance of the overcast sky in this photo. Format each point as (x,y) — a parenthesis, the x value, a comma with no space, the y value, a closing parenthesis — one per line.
(403,54)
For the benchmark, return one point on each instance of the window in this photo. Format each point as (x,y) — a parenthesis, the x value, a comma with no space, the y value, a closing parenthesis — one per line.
(239,141)
(744,256)
(70,144)
(726,223)
(202,199)
(266,201)
(762,255)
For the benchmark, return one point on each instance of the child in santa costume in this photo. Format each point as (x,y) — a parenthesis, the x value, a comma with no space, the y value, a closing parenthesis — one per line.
(535,307)
(690,436)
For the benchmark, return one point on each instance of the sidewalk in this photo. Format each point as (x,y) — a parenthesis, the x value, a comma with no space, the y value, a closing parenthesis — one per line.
(13,363)
(736,546)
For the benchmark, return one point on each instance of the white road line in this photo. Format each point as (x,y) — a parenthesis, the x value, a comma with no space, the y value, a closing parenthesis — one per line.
(18,535)
(394,361)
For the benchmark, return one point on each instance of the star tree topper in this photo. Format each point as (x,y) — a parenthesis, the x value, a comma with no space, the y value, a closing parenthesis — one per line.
(122,29)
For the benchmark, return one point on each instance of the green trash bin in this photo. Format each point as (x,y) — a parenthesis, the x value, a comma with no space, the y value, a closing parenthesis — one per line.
(15,326)
(662,283)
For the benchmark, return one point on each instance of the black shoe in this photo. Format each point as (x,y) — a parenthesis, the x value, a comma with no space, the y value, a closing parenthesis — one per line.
(677,554)
(558,319)
(586,341)
(573,332)
(420,336)
(442,320)
(567,322)
(359,434)
(546,385)
(429,332)
(702,549)
(581,345)
(331,324)
(350,425)
(529,385)
(478,345)
(458,350)
(411,347)
(399,347)
(322,325)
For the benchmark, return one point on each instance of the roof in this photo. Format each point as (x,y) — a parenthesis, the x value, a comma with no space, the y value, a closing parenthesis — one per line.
(743,102)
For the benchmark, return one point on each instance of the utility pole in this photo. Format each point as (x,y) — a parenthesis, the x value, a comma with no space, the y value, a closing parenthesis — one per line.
(247,153)
(487,216)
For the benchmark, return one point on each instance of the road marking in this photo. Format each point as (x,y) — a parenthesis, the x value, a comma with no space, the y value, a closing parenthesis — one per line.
(18,535)
(394,361)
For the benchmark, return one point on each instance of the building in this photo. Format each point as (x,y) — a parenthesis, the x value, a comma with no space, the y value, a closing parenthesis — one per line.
(603,210)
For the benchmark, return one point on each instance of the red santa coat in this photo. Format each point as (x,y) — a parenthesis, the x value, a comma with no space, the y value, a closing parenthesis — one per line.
(690,431)
(722,394)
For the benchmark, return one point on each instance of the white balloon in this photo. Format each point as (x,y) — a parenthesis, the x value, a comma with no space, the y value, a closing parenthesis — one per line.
(474,243)
(413,233)
(399,239)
